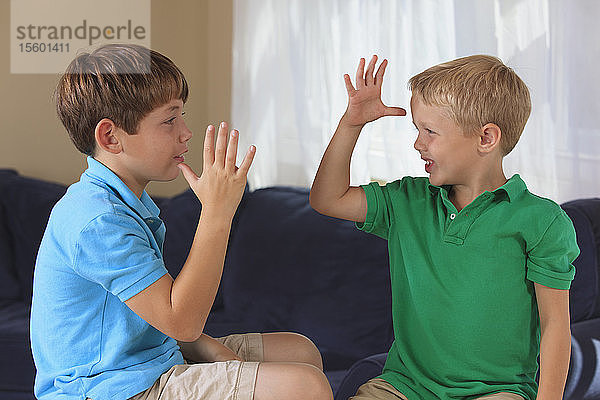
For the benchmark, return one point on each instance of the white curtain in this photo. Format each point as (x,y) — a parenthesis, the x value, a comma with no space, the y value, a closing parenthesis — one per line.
(288,92)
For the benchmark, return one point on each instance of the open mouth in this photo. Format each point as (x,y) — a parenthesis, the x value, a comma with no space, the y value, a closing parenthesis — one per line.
(428,164)
(180,157)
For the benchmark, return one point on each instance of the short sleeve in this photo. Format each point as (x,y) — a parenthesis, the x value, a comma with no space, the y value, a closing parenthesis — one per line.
(550,261)
(114,251)
(378,218)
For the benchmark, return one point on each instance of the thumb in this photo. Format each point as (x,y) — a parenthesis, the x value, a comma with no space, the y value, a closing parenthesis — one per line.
(189,175)
(394,111)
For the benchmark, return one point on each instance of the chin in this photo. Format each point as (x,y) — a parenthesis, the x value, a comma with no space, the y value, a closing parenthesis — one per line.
(435,181)
(168,176)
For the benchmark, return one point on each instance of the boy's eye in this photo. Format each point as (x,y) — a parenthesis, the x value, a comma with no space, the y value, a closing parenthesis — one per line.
(429,131)
(171,121)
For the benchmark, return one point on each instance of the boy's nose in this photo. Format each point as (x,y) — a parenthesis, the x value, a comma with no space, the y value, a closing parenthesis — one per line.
(418,143)
(186,134)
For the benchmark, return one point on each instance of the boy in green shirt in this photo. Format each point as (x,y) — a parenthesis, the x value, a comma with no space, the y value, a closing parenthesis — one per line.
(480,267)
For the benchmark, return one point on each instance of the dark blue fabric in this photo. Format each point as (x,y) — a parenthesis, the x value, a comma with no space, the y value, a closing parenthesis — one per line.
(334,377)
(16,362)
(290,268)
(11,395)
(584,372)
(359,373)
(585,289)
(9,283)
(27,203)
(180,215)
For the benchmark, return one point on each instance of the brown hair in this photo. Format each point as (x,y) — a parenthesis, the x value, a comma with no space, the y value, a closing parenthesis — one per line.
(475,91)
(121,82)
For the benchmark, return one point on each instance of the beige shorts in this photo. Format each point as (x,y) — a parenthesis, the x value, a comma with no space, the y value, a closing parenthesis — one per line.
(229,380)
(379,389)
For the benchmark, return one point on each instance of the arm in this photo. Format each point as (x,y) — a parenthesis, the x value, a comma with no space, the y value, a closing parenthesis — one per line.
(207,349)
(555,345)
(179,308)
(331,193)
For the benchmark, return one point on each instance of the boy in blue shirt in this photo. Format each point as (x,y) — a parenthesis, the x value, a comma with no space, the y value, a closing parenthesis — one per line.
(107,320)
(480,267)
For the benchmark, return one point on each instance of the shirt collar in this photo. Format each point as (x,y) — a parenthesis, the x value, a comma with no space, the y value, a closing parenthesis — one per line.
(143,206)
(512,188)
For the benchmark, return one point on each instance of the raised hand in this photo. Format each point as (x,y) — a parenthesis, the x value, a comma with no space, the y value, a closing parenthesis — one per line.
(222,183)
(364,101)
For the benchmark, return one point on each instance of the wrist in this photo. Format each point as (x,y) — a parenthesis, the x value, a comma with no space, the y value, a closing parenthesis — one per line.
(218,219)
(347,123)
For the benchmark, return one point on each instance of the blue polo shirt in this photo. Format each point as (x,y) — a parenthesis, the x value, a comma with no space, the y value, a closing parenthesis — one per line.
(464,310)
(102,246)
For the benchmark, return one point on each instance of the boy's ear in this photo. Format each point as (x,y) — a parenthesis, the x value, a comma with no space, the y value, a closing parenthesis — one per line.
(489,137)
(106,137)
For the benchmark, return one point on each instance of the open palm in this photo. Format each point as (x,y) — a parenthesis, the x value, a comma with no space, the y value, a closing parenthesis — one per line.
(364,101)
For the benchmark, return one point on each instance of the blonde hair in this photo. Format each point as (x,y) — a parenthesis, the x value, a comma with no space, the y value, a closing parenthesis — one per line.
(475,91)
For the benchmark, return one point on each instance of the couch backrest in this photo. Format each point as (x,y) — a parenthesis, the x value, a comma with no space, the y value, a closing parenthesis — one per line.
(25,206)
(318,253)
(585,289)
(10,289)
(290,268)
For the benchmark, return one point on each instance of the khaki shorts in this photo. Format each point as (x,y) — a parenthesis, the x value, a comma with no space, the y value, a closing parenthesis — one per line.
(229,380)
(379,389)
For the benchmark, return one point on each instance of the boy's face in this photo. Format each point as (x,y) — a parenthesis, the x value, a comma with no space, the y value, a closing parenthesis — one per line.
(155,151)
(449,155)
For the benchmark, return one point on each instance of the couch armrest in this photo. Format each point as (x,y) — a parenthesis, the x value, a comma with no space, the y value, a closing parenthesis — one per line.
(583,382)
(359,373)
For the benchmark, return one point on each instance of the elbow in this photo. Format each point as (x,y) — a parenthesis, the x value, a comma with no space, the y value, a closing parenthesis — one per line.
(314,202)
(187,330)
(187,334)
(187,337)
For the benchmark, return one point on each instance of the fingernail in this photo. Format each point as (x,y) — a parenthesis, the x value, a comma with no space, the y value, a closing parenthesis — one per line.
(223,124)
(233,133)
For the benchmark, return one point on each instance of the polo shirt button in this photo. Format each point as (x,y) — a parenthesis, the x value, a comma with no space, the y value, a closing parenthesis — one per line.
(452,216)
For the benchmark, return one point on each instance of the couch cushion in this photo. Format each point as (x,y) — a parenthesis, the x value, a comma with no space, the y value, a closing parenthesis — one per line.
(180,215)
(10,289)
(290,268)
(584,302)
(360,373)
(583,382)
(16,362)
(28,203)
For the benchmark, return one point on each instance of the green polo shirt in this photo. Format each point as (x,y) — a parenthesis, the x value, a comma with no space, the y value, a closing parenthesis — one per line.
(464,311)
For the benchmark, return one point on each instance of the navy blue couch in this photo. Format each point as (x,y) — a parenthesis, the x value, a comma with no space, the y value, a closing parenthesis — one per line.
(287,269)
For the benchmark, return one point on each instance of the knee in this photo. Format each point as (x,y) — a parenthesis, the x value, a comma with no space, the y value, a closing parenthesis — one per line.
(307,352)
(316,385)
(290,347)
(291,381)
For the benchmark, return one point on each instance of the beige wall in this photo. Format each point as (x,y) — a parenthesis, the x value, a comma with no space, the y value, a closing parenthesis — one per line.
(196,35)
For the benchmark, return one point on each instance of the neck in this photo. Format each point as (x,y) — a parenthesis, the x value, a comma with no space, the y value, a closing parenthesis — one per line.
(462,195)
(136,187)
